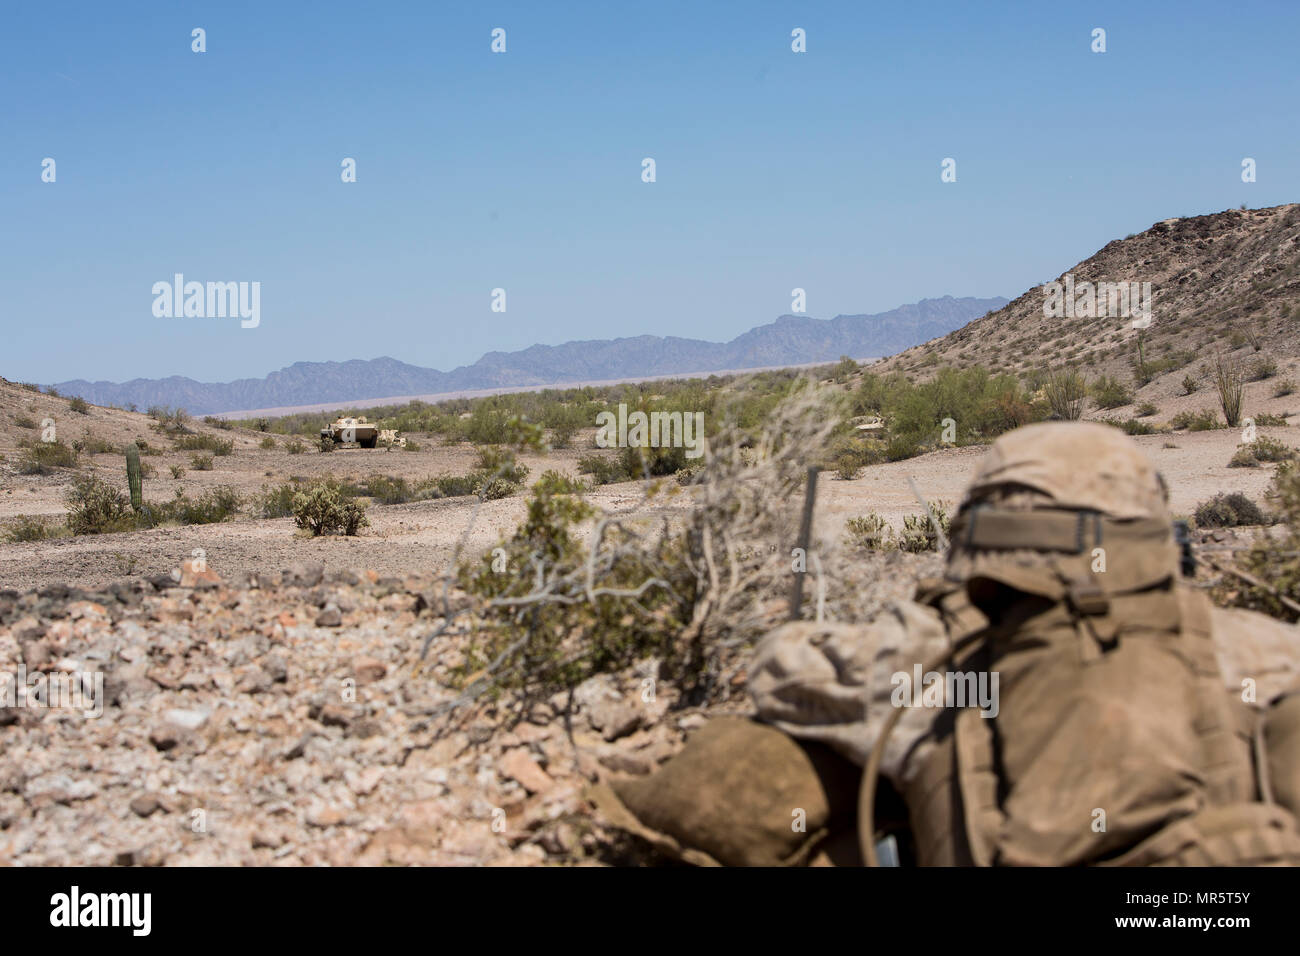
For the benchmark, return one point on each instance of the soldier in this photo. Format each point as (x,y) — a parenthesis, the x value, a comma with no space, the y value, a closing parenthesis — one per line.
(1061,697)
(1126,728)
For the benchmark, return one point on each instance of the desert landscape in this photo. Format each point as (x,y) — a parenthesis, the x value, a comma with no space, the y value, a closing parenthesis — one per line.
(273,695)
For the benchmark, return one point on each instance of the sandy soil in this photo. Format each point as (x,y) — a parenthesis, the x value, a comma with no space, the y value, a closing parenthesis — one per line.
(421,536)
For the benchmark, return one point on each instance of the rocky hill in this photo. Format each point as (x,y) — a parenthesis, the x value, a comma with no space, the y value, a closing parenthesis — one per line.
(1218,284)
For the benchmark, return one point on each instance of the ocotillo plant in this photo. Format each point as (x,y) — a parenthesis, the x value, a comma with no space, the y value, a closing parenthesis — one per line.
(133,477)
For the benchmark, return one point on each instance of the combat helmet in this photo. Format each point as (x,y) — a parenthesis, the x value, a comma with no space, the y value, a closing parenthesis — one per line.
(1064,510)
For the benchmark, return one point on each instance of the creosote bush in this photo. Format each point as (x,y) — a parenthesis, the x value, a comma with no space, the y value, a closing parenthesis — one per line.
(1275,558)
(41,458)
(1228,511)
(871,532)
(97,507)
(322,508)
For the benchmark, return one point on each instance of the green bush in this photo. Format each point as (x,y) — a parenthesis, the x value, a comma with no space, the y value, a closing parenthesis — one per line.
(42,457)
(1146,409)
(201,462)
(1284,388)
(294,447)
(1131,426)
(1190,384)
(276,502)
(97,507)
(1108,392)
(218,446)
(1065,390)
(1264,367)
(322,508)
(603,469)
(1275,559)
(1270,449)
(79,405)
(30,528)
(1203,420)
(870,532)
(177,471)
(267,443)
(214,505)
(1243,457)
(561,484)
(25,421)
(1228,511)
(918,531)
(1264,419)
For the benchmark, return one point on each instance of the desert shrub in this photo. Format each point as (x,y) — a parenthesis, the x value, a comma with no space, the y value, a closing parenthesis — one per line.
(565,606)
(604,470)
(1270,449)
(326,443)
(1284,388)
(177,471)
(1146,409)
(870,532)
(147,470)
(1109,392)
(277,501)
(321,508)
(79,405)
(1065,391)
(1265,419)
(1275,559)
(649,462)
(1228,511)
(201,462)
(1190,384)
(94,445)
(1262,368)
(267,443)
(1230,383)
(218,446)
(1243,457)
(561,484)
(169,420)
(223,423)
(214,505)
(918,531)
(42,457)
(1203,420)
(25,421)
(447,486)
(97,507)
(294,447)
(1130,426)
(387,490)
(847,466)
(411,445)
(30,528)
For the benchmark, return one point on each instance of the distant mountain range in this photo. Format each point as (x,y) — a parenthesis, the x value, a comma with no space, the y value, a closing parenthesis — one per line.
(790,340)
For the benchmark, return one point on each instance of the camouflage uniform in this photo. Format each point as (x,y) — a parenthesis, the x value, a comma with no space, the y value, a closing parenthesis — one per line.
(1131,714)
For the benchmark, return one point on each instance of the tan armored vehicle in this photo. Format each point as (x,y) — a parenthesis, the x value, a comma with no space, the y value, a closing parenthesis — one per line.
(347,431)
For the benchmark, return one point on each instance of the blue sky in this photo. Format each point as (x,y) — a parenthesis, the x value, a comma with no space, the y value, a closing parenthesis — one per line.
(522,170)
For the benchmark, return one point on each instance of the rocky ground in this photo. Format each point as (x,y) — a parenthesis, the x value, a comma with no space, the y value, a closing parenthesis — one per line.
(281,720)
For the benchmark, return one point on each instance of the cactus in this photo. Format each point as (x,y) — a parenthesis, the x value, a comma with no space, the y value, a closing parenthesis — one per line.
(133,477)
